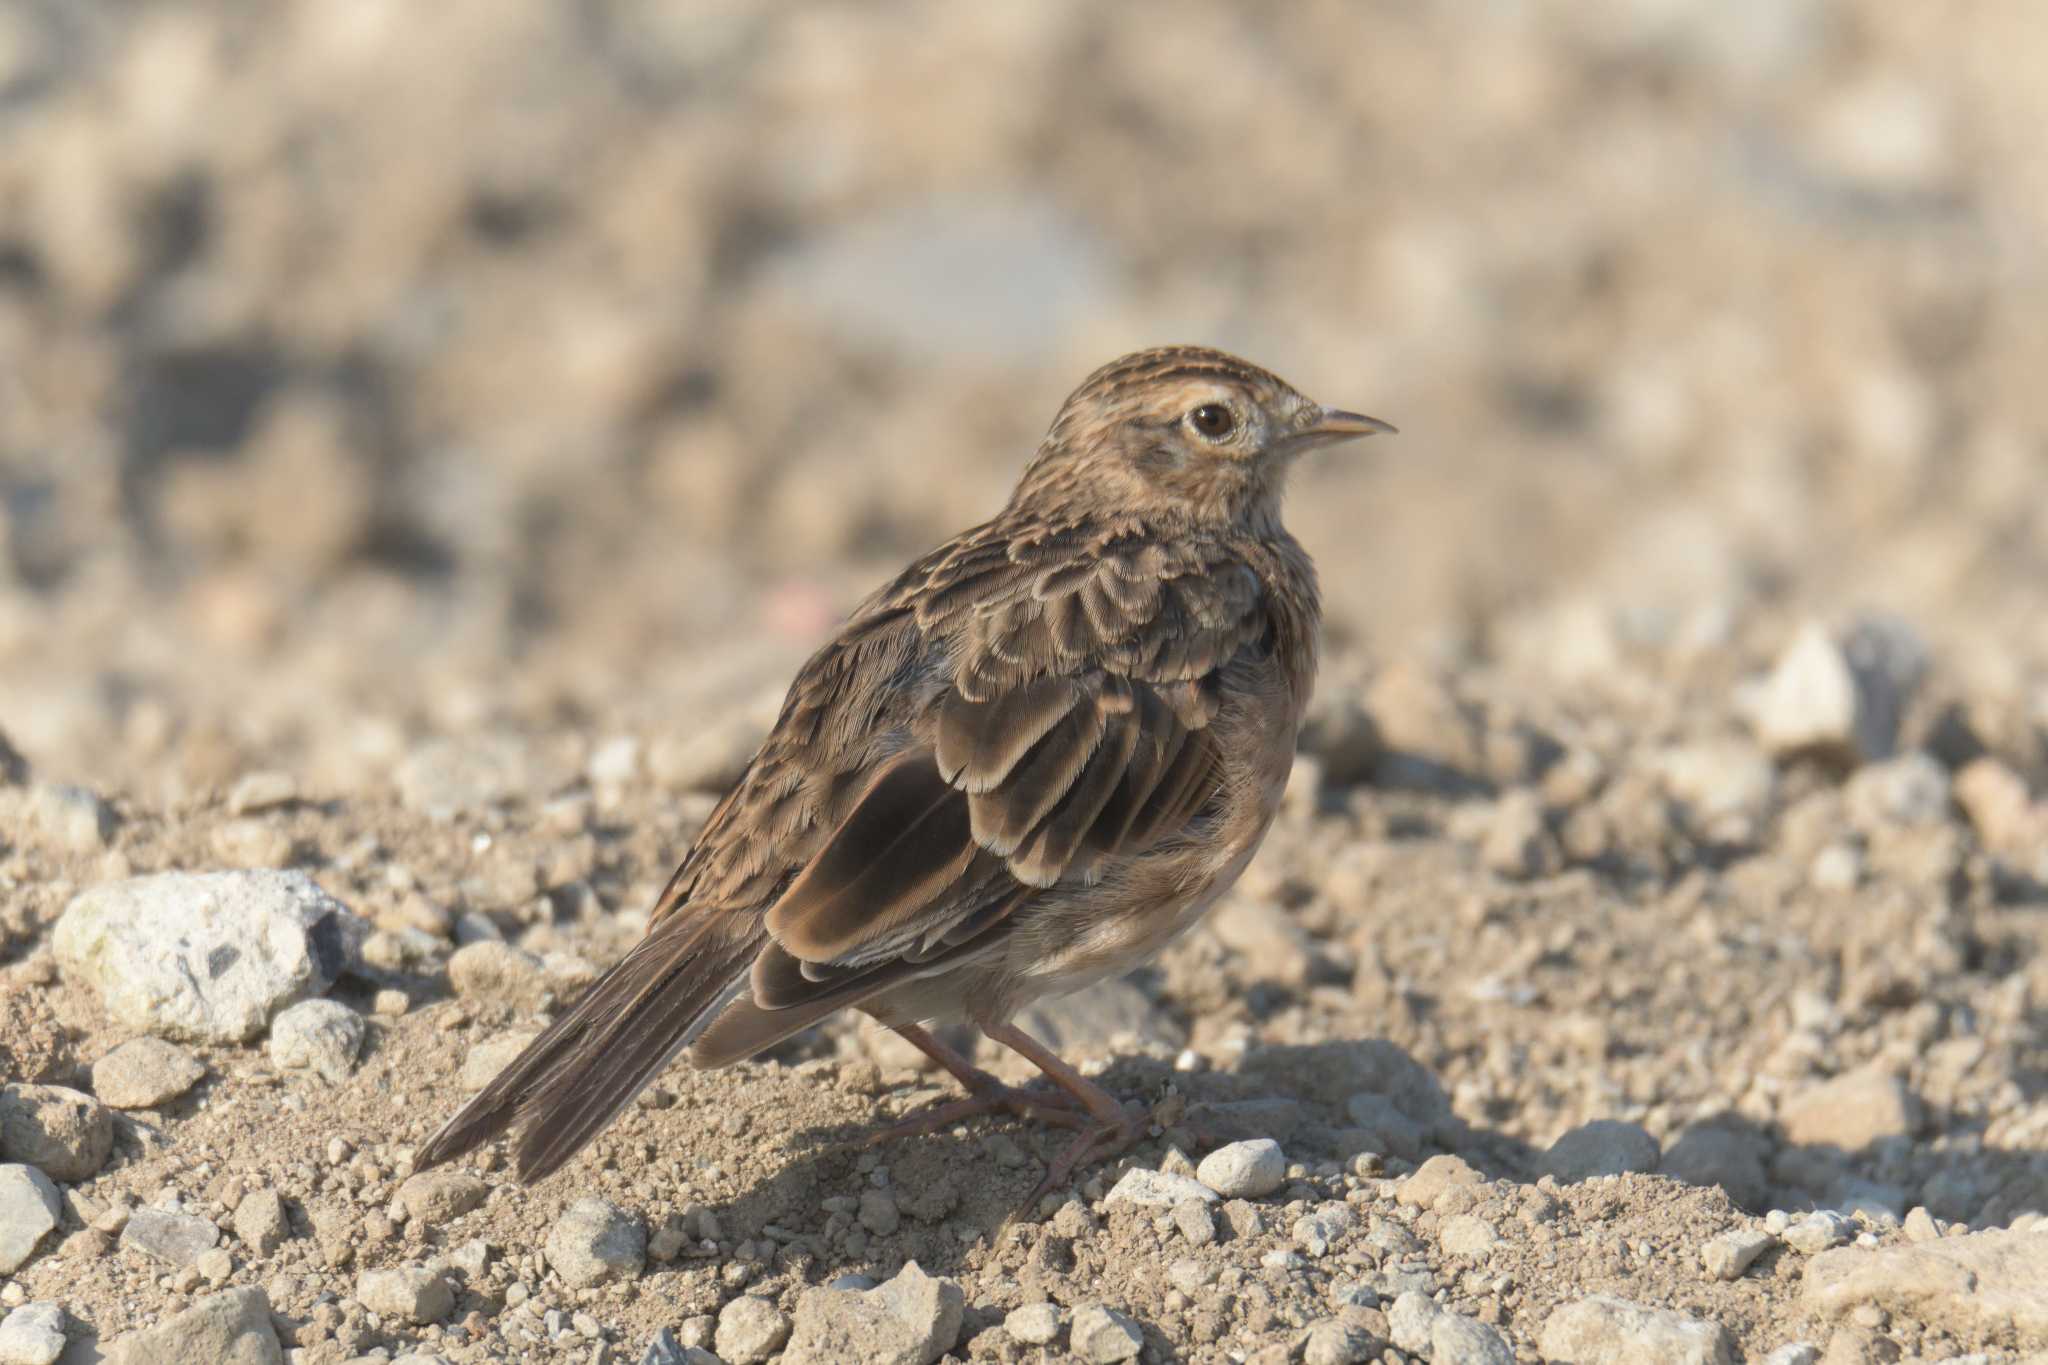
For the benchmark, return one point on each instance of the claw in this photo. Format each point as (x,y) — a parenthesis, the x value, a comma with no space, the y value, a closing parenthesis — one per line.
(995,1097)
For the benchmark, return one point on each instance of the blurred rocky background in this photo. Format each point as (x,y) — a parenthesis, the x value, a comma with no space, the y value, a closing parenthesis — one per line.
(376,368)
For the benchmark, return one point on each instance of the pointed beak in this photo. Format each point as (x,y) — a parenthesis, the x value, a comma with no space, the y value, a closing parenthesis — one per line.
(1334,424)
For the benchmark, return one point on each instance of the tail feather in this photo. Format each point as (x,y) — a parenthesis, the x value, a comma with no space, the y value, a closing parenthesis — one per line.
(592,1061)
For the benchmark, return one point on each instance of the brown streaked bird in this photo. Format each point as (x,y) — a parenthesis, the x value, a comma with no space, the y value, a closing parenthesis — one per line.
(1025,765)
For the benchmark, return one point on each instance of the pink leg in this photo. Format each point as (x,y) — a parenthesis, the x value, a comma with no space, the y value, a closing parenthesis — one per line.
(985,1095)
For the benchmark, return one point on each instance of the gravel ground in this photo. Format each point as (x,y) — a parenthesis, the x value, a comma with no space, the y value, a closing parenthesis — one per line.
(430,436)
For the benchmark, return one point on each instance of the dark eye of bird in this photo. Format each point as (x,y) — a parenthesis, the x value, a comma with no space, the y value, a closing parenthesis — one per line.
(1212,420)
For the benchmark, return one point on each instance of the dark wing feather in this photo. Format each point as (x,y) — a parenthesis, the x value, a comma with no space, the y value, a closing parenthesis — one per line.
(1015,709)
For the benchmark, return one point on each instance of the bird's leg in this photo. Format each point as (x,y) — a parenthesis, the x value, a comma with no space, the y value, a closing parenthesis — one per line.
(985,1094)
(1109,1129)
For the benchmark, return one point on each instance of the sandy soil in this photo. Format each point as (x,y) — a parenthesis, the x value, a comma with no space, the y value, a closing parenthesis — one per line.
(430,437)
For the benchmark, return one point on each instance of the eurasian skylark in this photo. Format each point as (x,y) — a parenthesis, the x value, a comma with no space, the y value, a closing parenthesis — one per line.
(1025,765)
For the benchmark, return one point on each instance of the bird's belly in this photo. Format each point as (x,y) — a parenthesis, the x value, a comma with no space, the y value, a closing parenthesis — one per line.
(1139,908)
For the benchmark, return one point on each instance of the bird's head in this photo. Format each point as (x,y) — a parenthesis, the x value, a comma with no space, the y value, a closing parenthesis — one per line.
(1183,429)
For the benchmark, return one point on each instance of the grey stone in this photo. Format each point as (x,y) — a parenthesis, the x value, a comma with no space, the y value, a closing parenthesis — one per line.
(437,1197)
(1103,1336)
(595,1241)
(32,1334)
(1244,1170)
(912,1319)
(487,1058)
(1604,1330)
(206,957)
(1602,1147)
(1315,1233)
(320,1036)
(1157,1189)
(29,1207)
(409,1293)
(1818,1231)
(231,1328)
(261,1221)
(176,1239)
(1718,1155)
(1196,1221)
(1035,1324)
(64,1133)
(1411,1321)
(750,1329)
(1455,1339)
(878,1212)
(1726,1257)
(664,1349)
(144,1073)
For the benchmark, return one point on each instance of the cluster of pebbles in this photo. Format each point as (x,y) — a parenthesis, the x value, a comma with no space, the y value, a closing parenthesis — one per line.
(1543,1030)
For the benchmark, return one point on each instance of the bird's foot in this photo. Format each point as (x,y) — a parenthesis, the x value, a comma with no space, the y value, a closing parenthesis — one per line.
(1099,1139)
(987,1095)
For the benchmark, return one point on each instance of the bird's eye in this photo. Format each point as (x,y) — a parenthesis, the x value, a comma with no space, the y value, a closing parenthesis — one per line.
(1212,421)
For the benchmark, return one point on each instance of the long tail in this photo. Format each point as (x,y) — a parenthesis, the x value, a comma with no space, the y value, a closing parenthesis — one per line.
(592,1061)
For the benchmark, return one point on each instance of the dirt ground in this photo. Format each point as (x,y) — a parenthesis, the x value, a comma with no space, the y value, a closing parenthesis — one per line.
(431,436)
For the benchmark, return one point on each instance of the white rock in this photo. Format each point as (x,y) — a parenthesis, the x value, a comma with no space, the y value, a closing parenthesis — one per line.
(1728,1255)
(1603,1330)
(176,1239)
(206,957)
(28,1210)
(143,1073)
(409,1293)
(912,1319)
(1845,698)
(1035,1324)
(595,1241)
(1157,1189)
(320,1036)
(1103,1336)
(65,1133)
(232,1328)
(750,1329)
(1818,1231)
(33,1334)
(1244,1170)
